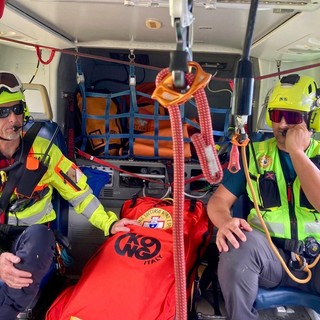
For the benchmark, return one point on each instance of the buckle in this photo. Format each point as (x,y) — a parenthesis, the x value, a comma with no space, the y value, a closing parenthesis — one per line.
(297,265)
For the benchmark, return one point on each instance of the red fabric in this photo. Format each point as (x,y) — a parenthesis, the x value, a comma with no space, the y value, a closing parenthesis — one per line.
(132,274)
(2,3)
(4,163)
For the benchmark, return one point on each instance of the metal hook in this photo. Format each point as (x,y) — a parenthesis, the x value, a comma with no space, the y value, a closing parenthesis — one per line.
(181,19)
(131,56)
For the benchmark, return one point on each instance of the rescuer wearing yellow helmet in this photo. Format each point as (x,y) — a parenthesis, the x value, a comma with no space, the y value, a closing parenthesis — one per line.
(300,96)
(26,242)
(285,176)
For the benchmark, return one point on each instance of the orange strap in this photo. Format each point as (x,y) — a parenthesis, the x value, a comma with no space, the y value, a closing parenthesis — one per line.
(234,162)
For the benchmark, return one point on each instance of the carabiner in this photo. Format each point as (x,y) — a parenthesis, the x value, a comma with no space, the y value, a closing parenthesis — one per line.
(236,140)
(302,264)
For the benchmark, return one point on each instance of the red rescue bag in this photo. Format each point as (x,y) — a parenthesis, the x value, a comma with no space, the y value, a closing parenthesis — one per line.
(131,276)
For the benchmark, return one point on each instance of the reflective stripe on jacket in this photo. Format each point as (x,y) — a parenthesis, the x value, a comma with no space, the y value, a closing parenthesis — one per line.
(284,207)
(70,182)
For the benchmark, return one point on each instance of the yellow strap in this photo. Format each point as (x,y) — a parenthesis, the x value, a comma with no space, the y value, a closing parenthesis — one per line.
(3,176)
(167,199)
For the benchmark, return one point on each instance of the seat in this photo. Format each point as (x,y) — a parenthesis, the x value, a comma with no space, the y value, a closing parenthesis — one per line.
(286,296)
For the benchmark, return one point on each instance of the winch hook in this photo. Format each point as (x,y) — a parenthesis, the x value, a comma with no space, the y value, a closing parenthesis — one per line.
(181,19)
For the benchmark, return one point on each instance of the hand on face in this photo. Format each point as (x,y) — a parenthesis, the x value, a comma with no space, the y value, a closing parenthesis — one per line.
(297,138)
(291,137)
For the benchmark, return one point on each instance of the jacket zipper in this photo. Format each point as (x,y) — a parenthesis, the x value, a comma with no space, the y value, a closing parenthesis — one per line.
(315,217)
(293,219)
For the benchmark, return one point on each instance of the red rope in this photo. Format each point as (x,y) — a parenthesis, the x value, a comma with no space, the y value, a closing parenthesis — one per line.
(271,75)
(110,165)
(178,207)
(2,3)
(84,55)
(91,56)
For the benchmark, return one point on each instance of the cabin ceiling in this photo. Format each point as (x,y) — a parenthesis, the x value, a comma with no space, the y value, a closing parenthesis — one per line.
(219,26)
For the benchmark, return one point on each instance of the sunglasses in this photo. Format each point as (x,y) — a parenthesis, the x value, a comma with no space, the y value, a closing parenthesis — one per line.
(9,82)
(291,117)
(17,109)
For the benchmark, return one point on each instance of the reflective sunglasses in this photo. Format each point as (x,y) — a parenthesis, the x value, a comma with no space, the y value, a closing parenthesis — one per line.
(9,82)
(291,117)
(17,109)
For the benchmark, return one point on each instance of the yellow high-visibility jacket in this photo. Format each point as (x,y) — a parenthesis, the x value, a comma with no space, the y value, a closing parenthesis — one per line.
(284,207)
(66,177)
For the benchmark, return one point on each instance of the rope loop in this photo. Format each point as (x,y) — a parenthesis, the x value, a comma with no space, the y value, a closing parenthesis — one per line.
(52,53)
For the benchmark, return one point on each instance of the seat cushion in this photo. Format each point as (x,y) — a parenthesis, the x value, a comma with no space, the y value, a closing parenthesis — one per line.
(285,296)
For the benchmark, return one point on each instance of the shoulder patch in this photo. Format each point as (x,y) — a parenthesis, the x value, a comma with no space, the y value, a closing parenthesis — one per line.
(74,174)
(265,161)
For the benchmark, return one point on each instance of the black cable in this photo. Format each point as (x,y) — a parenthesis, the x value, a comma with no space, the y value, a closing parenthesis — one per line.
(250,28)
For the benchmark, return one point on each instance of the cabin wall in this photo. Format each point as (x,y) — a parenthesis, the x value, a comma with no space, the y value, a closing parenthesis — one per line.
(59,76)
(114,77)
(23,62)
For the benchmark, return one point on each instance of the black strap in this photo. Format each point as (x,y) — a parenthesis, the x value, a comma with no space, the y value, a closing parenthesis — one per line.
(14,175)
(290,245)
(71,117)
(254,156)
(193,203)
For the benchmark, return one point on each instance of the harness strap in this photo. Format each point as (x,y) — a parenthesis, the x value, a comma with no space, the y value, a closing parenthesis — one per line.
(15,174)
(291,245)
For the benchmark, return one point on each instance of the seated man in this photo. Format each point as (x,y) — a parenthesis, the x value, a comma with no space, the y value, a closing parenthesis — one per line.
(27,181)
(285,176)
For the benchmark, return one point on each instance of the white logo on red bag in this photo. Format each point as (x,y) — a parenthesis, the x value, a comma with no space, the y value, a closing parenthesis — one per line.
(156,218)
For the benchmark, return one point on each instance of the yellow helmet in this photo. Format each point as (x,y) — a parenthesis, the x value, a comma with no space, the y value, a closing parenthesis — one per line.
(293,92)
(11,90)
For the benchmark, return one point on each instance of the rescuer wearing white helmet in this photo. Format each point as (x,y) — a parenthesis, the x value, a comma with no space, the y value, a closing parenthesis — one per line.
(26,241)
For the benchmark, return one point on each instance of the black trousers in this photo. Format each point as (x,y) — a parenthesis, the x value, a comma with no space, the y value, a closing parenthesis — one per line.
(35,246)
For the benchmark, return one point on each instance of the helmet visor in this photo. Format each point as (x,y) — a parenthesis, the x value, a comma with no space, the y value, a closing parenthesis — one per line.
(9,82)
